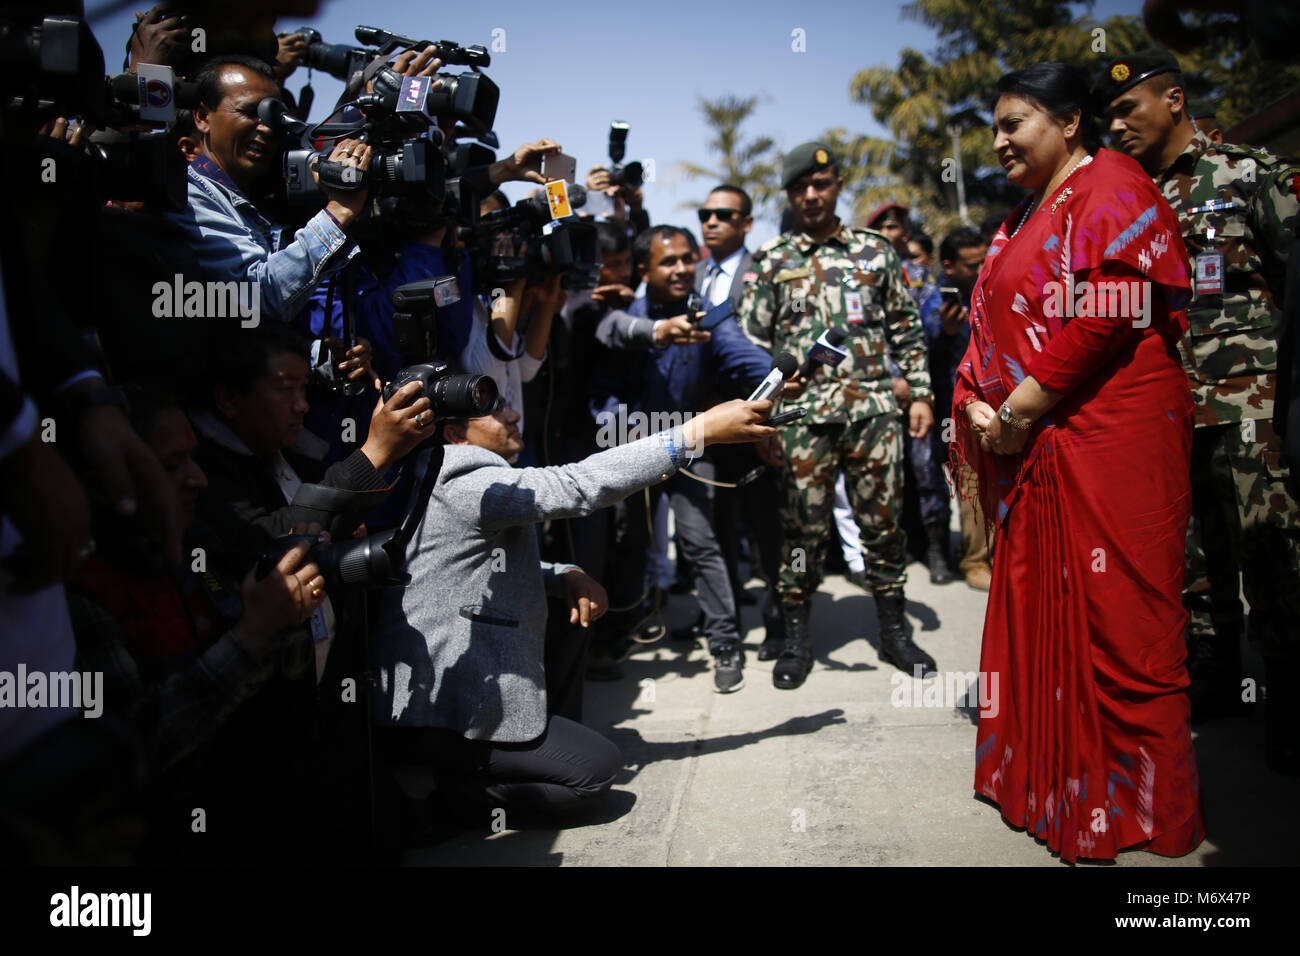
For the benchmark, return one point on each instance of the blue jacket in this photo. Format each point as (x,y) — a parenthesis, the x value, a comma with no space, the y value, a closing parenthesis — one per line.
(946,351)
(417,261)
(235,240)
(678,378)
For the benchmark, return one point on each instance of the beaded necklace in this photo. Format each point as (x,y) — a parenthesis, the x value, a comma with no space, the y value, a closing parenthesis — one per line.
(1061,197)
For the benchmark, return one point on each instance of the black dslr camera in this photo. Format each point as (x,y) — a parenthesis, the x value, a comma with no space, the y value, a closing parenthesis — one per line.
(374,561)
(630,175)
(452,395)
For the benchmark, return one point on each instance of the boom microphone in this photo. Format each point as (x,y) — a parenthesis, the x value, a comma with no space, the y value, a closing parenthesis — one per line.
(825,351)
(783,366)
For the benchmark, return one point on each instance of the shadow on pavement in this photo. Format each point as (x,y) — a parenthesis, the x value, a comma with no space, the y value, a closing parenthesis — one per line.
(638,752)
(526,846)
(1249,810)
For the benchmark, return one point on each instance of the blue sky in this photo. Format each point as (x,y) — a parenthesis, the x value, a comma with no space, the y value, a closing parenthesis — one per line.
(568,70)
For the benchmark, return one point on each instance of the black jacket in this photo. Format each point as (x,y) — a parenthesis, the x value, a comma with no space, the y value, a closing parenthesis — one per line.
(246,508)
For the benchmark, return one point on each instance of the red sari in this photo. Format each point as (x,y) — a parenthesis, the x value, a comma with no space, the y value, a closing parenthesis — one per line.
(1087,741)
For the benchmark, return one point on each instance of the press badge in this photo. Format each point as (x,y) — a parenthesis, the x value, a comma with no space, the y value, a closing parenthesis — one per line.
(1209,269)
(853,306)
(1209,264)
(1209,274)
(319,628)
(558,196)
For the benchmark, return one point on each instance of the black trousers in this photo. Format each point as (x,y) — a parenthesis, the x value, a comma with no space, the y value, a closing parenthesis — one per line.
(564,767)
(750,509)
(697,541)
(568,764)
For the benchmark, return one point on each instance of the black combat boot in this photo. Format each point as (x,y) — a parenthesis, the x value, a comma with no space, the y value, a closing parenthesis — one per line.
(795,662)
(896,646)
(937,554)
(774,629)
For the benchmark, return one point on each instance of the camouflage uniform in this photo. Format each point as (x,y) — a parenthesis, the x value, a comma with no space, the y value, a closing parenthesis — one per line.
(1243,515)
(802,288)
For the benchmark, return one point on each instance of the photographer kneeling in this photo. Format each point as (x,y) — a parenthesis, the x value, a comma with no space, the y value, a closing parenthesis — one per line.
(460,650)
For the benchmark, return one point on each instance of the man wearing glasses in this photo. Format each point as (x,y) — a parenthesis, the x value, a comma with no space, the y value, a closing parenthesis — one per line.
(725,220)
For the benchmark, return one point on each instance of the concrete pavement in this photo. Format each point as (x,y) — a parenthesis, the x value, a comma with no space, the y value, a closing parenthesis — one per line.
(834,773)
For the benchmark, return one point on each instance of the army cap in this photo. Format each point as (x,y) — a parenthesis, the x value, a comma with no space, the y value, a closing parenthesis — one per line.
(883,209)
(804,159)
(1125,72)
(1199,109)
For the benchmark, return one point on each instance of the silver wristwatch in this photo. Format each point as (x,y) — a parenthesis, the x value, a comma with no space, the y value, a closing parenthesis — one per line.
(1008,417)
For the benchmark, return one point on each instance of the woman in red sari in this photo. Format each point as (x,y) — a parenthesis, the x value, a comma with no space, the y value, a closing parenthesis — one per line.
(1075,414)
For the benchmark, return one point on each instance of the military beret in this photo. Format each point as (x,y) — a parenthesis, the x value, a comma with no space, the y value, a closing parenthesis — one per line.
(804,159)
(1125,72)
(878,213)
(1199,109)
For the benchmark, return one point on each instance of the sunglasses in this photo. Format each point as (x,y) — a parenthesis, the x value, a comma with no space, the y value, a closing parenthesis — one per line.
(724,215)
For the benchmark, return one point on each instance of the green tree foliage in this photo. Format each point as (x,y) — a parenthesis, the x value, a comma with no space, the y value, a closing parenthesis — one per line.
(751,164)
(924,99)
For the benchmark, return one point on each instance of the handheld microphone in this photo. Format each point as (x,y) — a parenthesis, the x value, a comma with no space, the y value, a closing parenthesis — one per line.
(825,351)
(695,307)
(783,366)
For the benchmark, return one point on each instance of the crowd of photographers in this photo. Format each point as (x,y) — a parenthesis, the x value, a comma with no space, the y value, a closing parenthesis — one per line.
(262,522)
(346,463)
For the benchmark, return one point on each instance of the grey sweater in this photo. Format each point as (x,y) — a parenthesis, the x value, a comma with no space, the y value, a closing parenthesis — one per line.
(461,646)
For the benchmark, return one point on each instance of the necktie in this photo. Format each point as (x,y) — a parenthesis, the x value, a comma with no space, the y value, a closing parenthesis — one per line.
(715,270)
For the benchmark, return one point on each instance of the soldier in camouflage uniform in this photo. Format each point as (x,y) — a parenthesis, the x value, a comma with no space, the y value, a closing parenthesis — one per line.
(1237,205)
(825,275)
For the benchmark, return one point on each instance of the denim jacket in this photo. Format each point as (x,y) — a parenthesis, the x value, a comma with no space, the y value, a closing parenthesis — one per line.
(235,240)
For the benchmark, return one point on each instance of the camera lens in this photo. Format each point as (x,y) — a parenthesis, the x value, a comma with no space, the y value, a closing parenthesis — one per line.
(464,396)
(485,393)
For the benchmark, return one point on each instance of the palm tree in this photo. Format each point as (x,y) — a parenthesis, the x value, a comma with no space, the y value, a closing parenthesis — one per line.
(751,164)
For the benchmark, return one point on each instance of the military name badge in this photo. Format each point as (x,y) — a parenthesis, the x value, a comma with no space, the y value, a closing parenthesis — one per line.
(1209,274)
(853,307)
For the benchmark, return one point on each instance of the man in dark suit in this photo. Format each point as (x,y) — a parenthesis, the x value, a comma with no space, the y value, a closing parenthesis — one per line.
(725,219)
(640,375)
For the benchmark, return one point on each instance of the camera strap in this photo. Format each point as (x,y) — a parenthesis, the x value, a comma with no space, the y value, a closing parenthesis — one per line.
(349,280)
(335,500)
(495,347)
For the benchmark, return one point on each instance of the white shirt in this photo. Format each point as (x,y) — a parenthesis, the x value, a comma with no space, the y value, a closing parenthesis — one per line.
(721,287)
(477,359)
